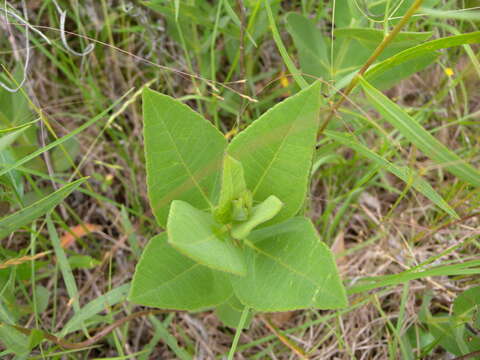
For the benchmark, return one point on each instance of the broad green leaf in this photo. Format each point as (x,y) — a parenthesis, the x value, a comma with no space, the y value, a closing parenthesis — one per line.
(289,268)
(260,214)
(467,304)
(231,311)
(451,335)
(196,234)
(183,153)
(166,279)
(409,176)
(14,340)
(424,50)
(313,52)
(28,214)
(233,187)
(421,138)
(276,150)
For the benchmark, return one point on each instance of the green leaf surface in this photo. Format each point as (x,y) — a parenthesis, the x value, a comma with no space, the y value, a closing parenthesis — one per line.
(420,137)
(289,268)
(196,234)
(276,150)
(14,340)
(409,176)
(166,279)
(233,187)
(312,49)
(467,304)
(260,214)
(28,214)
(231,311)
(183,153)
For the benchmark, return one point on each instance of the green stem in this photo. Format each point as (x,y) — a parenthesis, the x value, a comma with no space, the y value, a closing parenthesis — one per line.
(241,324)
(385,42)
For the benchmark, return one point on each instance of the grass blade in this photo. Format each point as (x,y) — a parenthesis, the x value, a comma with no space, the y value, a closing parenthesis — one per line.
(409,176)
(421,50)
(64,265)
(26,215)
(420,137)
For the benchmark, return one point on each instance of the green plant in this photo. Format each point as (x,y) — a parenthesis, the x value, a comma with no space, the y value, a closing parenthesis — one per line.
(233,236)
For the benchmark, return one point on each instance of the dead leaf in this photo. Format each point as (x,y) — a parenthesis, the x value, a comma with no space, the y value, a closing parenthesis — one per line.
(77,232)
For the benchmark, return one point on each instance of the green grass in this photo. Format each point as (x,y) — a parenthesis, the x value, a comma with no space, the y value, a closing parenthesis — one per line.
(403,254)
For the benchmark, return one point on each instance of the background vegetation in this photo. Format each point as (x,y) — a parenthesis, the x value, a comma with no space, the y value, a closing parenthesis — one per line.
(65,276)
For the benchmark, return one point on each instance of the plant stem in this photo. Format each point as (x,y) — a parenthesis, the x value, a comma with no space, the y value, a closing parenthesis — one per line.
(385,42)
(241,324)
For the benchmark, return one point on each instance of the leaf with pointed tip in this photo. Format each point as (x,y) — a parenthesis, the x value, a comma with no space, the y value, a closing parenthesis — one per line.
(196,234)
(260,214)
(276,150)
(289,268)
(183,152)
(166,279)
(233,186)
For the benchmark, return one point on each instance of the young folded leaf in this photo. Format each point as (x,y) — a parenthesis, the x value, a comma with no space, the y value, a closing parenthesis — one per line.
(166,279)
(260,214)
(233,188)
(289,268)
(183,152)
(197,235)
(276,150)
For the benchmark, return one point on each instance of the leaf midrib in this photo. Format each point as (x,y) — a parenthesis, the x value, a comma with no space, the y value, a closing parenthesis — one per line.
(275,156)
(182,161)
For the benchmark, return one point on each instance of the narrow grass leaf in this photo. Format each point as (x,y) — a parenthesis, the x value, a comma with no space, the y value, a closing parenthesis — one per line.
(9,138)
(64,266)
(162,333)
(61,140)
(420,137)
(28,214)
(95,306)
(409,176)
(282,49)
(466,268)
(166,279)
(422,50)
